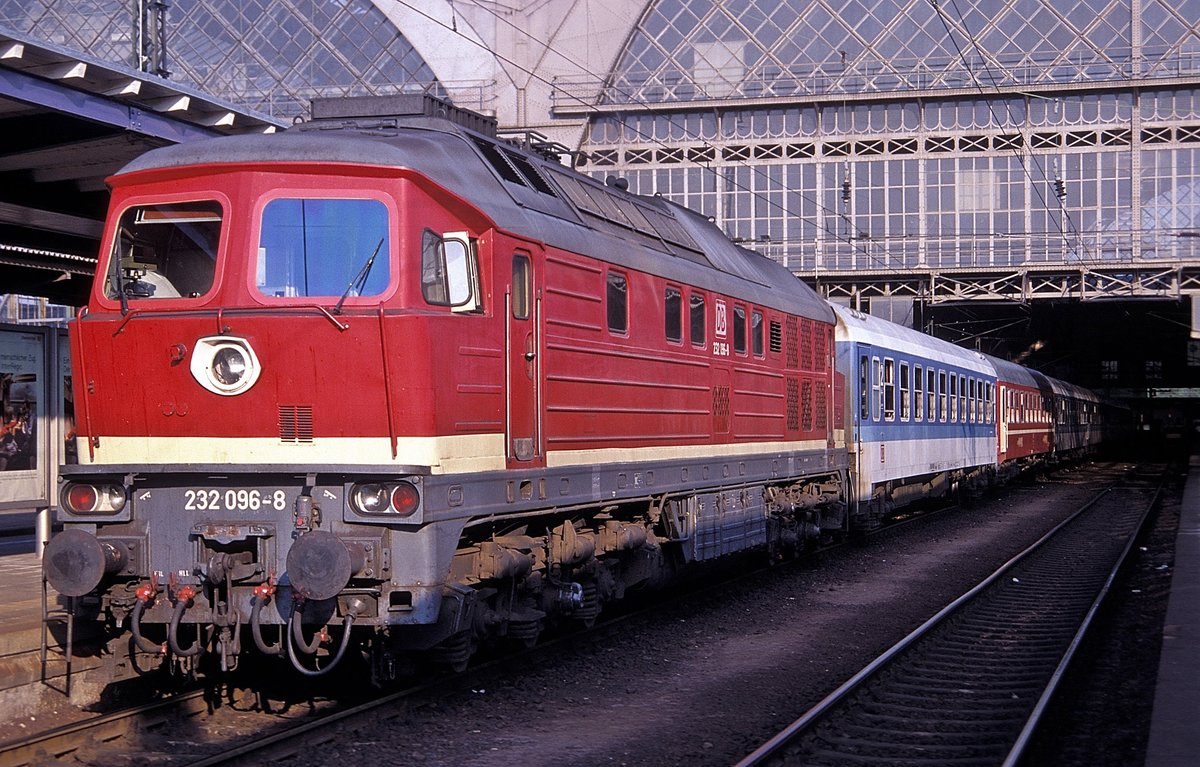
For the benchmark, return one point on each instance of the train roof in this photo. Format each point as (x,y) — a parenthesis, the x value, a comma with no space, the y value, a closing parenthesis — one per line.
(863,328)
(1011,372)
(525,194)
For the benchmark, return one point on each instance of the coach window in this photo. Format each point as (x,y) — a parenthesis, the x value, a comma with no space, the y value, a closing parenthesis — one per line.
(954,399)
(618,303)
(165,251)
(673,314)
(329,248)
(943,410)
(696,318)
(739,329)
(918,393)
(756,333)
(931,393)
(987,402)
(889,390)
(864,388)
(876,389)
(905,393)
(962,398)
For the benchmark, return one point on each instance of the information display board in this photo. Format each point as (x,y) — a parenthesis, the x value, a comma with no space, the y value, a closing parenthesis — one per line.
(27,416)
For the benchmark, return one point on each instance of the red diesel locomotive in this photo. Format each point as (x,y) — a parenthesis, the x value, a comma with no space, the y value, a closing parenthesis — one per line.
(388,382)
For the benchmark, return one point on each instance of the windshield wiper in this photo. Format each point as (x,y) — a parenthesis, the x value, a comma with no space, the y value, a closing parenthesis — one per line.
(115,275)
(360,279)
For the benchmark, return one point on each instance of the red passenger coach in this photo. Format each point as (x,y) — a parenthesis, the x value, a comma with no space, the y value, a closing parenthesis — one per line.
(389,379)
(1023,416)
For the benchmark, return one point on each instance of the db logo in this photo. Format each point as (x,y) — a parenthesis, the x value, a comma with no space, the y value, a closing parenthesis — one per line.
(721,319)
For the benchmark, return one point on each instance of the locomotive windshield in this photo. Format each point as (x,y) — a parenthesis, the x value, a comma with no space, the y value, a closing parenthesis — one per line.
(164,251)
(323,247)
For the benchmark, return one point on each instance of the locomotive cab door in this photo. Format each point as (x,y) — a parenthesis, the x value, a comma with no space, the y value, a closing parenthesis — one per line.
(523,350)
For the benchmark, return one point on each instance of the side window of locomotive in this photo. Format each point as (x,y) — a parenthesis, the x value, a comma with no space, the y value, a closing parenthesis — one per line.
(696,318)
(165,251)
(520,287)
(756,333)
(449,276)
(673,314)
(323,247)
(739,329)
(617,302)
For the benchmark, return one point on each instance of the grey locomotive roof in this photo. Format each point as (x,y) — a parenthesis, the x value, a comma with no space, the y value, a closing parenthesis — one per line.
(454,159)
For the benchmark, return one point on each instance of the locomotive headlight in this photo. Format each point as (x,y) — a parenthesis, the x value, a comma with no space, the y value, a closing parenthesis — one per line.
(229,365)
(401,499)
(370,498)
(225,365)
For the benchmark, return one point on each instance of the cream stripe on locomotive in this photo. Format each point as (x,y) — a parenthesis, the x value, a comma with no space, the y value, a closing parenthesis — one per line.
(556,458)
(445,455)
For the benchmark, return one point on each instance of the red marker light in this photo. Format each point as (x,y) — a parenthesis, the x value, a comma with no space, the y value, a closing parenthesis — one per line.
(82,498)
(405,499)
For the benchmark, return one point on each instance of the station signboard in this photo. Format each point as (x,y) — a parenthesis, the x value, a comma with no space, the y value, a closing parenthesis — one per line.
(28,418)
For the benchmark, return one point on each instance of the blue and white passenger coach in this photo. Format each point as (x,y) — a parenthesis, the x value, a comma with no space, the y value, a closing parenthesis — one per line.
(923,415)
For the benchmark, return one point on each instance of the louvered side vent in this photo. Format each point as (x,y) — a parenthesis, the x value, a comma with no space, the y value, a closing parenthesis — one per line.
(806,406)
(793,343)
(295,423)
(776,337)
(793,404)
(721,409)
(820,348)
(820,417)
(806,345)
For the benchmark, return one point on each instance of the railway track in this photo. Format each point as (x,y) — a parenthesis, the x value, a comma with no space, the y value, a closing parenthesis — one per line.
(970,686)
(202,728)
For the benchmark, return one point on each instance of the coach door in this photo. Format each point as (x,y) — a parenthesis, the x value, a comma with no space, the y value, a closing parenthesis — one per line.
(524,363)
(1002,417)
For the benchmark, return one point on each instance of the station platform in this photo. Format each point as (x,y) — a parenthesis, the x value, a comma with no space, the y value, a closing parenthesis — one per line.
(1174,736)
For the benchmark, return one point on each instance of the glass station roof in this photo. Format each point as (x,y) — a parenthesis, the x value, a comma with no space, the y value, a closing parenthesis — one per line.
(268,55)
(686,49)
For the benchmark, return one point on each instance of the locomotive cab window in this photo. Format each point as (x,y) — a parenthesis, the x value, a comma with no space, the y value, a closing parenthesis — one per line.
(329,248)
(739,329)
(449,275)
(756,333)
(617,294)
(520,287)
(673,314)
(696,323)
(164,251)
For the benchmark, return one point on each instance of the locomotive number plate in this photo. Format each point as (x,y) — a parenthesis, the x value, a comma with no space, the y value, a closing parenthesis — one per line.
(239,499)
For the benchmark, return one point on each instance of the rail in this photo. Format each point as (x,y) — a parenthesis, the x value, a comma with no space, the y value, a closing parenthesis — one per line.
(971,684)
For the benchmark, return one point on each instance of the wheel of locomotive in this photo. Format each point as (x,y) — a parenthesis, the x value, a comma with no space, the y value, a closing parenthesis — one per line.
(589,606)
(524,633)
(456,651)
